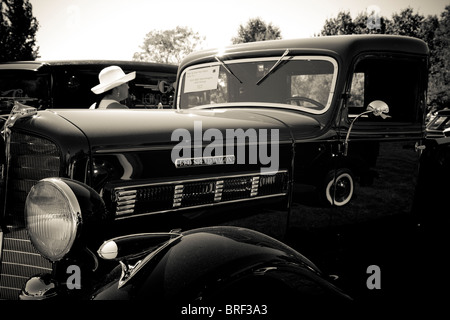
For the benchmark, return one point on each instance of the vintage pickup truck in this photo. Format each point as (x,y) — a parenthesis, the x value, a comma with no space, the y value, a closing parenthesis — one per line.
(333,125)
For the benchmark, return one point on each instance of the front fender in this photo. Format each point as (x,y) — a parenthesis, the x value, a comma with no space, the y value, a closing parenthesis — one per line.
(223,264)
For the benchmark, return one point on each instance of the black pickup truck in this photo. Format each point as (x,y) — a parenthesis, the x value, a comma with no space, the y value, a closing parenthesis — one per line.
(330,125)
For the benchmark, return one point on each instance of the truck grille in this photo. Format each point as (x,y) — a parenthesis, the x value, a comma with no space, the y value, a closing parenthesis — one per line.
(159,197)
(31,159)
(20,261)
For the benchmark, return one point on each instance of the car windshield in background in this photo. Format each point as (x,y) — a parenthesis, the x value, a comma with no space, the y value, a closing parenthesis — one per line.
(306,83)
(22,86)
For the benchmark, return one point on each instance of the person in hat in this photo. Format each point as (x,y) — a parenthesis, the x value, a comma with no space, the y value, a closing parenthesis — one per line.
(112,89)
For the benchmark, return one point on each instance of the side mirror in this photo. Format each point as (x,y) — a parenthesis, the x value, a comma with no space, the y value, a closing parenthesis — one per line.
(377,108)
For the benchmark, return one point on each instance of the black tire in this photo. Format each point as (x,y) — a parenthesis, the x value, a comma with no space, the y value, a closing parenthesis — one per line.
(339,188)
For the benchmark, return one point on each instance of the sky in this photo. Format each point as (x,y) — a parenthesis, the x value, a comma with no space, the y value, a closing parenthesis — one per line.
(115,29)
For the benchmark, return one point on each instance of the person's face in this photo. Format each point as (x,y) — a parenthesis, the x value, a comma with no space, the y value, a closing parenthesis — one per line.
(123,91)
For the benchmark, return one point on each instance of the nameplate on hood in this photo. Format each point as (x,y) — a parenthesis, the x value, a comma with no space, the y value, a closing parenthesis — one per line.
(204,161)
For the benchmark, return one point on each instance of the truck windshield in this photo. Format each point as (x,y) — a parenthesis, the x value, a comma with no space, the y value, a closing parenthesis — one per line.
(306,83)
(25,87)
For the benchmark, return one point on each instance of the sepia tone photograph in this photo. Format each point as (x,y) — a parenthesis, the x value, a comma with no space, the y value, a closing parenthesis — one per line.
(225,160)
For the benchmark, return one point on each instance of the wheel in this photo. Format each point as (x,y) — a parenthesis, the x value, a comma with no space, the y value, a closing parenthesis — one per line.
(339,187)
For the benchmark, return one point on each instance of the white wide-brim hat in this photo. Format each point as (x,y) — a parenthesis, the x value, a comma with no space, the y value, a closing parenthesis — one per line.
(111,77)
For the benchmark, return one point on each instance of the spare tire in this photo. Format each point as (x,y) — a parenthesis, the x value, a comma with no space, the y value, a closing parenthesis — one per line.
(339,187)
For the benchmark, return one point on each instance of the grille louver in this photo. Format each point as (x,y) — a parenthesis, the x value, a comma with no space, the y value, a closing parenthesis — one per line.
(159,197)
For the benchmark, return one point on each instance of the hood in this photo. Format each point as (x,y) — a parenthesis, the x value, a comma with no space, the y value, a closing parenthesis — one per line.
(112,149)
(122,129)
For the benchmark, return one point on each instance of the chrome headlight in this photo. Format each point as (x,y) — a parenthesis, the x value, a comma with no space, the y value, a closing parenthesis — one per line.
(52,215)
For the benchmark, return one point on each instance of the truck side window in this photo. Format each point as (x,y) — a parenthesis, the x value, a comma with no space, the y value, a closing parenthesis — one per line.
(356,101)
(394,81)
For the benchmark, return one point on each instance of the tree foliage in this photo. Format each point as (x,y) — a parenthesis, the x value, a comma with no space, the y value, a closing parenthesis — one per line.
(256,30)
(434,31)
(168,46)
(18,29)
(439,82)
(364,23)
(406,23)
(342,24)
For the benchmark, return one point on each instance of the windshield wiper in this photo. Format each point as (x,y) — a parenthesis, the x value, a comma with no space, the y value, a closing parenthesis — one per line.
(226,68)
(274,67)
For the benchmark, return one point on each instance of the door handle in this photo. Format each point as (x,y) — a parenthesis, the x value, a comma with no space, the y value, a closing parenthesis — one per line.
(419,147)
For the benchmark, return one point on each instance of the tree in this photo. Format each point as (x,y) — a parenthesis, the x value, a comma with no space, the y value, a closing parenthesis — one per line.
(168,46)
(364,23)
(439,81)
(256,30)
(435,32)
(340,25)
(370,23)
(18,29)
(406,23)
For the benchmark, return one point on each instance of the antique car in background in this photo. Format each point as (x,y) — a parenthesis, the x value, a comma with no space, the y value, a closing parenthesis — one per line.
(279,128)
(439,126)
(68,83)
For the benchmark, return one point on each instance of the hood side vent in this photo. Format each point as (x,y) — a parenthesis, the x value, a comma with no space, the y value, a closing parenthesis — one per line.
(184,194)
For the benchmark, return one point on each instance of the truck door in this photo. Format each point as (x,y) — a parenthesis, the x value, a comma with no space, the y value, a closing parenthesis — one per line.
(374,185)
(382,159)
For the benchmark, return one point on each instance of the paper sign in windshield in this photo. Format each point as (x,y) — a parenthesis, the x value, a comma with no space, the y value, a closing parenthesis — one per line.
(201,79)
